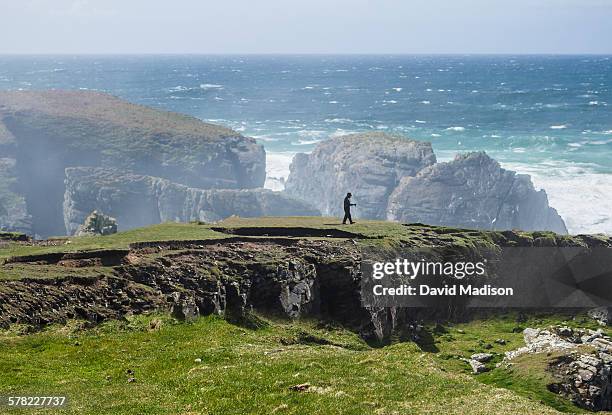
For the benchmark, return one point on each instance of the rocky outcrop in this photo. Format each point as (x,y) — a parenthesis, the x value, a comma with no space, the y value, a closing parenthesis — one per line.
(398,179)
(44,132)
(97,223)
(369,165)
(138,200)
(473,191)
(581,363)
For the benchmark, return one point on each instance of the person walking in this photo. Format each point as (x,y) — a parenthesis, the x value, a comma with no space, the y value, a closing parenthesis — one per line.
(347,209)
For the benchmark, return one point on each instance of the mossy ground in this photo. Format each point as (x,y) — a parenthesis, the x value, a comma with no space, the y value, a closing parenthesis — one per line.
(247,371)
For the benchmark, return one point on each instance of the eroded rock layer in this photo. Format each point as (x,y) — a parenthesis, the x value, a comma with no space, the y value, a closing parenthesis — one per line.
(137,200)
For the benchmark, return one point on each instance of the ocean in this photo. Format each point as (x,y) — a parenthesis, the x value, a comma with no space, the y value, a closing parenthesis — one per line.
(547,116)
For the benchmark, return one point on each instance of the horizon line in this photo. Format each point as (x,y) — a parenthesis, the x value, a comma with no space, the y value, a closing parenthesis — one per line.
(465,54)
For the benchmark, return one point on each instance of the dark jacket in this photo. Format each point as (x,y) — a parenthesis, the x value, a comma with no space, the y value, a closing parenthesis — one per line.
(347,204)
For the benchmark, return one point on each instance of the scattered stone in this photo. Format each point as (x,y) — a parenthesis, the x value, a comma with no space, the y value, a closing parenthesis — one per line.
(482,357)
(501,341)
(198,360)
(303,387)
(477,367)
(131,380)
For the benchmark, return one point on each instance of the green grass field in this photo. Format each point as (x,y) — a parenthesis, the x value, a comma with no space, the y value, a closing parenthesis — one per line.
(213,367)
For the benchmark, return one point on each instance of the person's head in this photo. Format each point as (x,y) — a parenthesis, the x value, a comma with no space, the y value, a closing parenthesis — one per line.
(349,195)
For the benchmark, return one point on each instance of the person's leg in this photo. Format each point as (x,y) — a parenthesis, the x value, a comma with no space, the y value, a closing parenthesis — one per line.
(347,215)
(350,218)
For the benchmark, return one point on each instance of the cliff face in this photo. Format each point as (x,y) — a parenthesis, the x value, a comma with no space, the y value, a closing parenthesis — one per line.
(398,179)
(270,265)
(473,191)
(42,133)
(369,165)
(138,200)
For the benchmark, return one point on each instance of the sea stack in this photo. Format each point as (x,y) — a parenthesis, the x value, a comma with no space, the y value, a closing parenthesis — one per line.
(398,179)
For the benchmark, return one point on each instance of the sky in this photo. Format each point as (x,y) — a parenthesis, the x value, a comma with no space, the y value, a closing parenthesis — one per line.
(305,26)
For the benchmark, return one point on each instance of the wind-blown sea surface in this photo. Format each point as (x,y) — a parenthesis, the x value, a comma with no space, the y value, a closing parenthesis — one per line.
(548,116)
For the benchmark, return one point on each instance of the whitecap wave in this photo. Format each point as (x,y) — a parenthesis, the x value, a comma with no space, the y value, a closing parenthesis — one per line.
(558,127)
(579,193)
(210,86)
(305,142)
(457,129)
(203,87)
(338,120)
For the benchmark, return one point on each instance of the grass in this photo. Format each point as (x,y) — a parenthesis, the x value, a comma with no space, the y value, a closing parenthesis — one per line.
(240,371)
(376,231)
(161,232)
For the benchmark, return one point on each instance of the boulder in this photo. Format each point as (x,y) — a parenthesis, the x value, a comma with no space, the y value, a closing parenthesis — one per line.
(477,366)
(97,223)
(139,200)
(473,191)
(369,165)
(482,357)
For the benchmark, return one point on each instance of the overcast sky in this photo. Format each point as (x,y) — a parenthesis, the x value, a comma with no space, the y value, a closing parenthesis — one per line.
(306,26)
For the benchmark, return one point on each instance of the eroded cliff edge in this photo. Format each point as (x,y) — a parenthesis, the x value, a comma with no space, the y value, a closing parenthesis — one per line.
(294,268)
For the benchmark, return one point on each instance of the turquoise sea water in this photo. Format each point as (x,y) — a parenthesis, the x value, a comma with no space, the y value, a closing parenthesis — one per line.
(549,116)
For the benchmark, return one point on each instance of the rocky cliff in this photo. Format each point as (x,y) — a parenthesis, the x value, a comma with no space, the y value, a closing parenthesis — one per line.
(398,179)
(369,165)
(473,191)
(139,200)
(43,133)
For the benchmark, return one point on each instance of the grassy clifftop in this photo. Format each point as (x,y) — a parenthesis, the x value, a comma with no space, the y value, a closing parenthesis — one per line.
(98,107)
(365,232)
